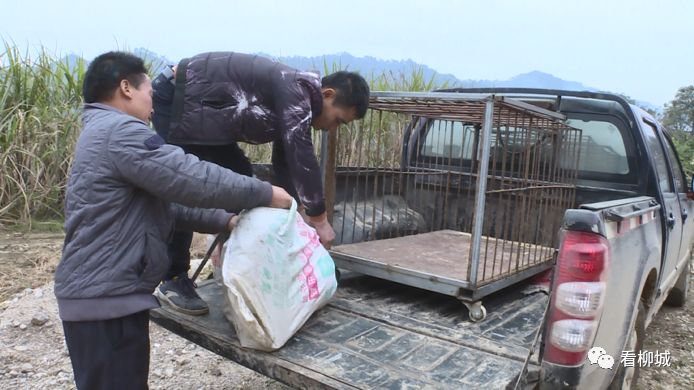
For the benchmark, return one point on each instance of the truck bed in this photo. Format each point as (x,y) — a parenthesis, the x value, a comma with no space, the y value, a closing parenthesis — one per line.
(377,334)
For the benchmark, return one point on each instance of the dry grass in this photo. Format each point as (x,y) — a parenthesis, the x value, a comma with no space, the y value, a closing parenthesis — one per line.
(39,121)
(27,261)
(40,107)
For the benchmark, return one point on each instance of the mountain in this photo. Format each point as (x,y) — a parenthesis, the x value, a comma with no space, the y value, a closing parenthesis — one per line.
(156,62)
(72,61)
(371,67)
(152,59)
(534,79)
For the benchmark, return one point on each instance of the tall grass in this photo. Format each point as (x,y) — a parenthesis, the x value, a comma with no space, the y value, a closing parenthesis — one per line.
(382,128)
(376,140)
(40,120)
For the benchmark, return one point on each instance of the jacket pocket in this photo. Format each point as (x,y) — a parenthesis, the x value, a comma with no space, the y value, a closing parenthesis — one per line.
(218,104)
(215,121)
(156,263)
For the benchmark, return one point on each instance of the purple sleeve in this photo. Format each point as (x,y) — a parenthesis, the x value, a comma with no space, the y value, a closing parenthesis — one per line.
(279,165)
(294,108)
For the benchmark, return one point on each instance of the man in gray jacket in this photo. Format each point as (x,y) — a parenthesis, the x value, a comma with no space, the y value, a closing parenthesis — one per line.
(126,193)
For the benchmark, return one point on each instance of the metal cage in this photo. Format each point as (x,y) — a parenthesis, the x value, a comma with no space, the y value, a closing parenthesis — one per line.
(456,193)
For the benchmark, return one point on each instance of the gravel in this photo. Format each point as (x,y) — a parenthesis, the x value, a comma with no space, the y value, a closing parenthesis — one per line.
(34,355)
(672,330)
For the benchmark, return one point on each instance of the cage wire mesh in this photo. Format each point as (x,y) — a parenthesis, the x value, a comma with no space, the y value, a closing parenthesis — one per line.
(413,166)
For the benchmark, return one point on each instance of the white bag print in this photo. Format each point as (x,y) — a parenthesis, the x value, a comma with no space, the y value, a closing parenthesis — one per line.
(276,274)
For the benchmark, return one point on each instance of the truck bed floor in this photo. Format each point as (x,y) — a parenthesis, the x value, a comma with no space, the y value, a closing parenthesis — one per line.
(377,334)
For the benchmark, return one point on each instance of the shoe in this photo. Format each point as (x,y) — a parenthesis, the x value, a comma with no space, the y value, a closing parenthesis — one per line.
(179,293)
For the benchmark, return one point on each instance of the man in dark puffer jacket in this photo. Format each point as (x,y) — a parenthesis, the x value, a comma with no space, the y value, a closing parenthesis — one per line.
(119,214)
(212,101)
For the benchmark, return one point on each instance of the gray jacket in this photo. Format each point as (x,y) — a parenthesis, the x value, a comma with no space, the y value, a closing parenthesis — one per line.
(120,213)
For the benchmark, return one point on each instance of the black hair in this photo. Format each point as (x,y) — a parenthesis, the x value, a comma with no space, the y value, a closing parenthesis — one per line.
(106,71)
(351,90)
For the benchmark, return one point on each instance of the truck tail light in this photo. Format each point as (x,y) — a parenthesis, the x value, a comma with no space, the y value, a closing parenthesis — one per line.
(580,299)
(578,296)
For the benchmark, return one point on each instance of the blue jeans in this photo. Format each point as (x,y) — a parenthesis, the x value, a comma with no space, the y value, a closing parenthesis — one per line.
(228,156)
(162,100)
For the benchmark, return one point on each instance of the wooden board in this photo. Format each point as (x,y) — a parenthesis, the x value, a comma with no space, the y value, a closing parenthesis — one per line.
(446,253)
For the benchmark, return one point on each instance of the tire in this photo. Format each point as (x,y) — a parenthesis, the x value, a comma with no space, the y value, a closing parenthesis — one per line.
(626,377)
(678,295)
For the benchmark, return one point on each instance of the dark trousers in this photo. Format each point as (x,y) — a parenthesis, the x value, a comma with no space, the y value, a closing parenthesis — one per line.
(109,354)
(228,156)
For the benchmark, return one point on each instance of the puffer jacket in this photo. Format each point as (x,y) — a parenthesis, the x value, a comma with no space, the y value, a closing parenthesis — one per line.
(126,192)
(225,97)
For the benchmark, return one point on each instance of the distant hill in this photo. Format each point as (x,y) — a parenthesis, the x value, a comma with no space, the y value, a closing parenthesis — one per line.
(371,67)
(72,60)
(157,61)
(534,79)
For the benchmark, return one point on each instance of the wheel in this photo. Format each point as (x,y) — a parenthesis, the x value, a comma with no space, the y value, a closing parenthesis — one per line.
(477,315)
(678,295)
(626,377)
(477,312)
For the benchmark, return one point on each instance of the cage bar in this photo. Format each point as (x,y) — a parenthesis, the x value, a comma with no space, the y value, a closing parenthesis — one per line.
(457,193)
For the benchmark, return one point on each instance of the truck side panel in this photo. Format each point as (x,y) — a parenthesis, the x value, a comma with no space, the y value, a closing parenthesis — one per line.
(633,230)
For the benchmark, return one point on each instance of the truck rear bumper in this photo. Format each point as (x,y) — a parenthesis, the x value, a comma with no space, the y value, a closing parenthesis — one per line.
(555,376)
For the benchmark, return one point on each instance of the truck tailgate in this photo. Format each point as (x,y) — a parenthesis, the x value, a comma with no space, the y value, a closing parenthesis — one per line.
(376,334)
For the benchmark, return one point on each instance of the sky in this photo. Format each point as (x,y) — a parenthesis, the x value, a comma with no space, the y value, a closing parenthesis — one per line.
(644,49)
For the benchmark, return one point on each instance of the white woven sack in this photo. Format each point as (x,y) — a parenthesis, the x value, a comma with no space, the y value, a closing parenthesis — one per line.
(276,274)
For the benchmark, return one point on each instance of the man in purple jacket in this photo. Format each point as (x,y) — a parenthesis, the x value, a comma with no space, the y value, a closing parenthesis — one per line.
(212,101)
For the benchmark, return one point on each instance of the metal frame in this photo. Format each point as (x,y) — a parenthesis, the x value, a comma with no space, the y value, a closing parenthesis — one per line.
(438,105)
(453,287)
(480,195)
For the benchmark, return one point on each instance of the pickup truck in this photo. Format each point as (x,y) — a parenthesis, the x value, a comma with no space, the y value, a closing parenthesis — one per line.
(623,250)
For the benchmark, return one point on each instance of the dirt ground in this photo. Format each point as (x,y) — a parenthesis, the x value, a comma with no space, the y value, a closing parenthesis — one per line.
(34,354)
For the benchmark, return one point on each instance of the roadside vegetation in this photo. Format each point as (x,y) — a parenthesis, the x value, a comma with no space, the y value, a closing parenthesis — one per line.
(39,121)
(40,107)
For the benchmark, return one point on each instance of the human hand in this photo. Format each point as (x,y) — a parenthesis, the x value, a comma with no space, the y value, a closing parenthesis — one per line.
(324,230)
(302,211)
(280,198)
(232,222)
(216,256)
